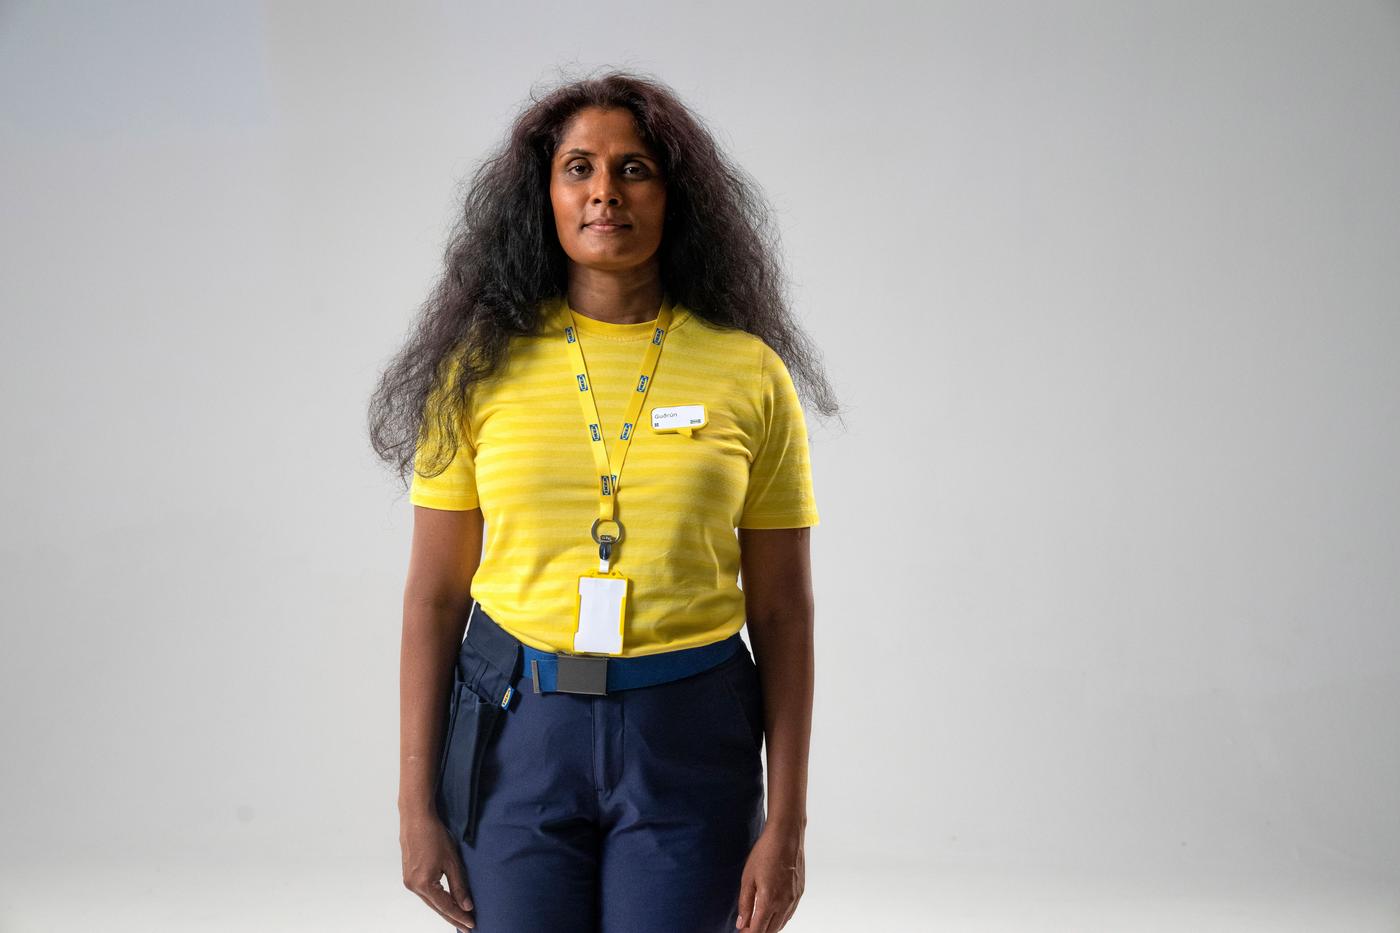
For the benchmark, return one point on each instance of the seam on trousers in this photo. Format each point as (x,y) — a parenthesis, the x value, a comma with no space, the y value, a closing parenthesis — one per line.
(621,750)
(598,746)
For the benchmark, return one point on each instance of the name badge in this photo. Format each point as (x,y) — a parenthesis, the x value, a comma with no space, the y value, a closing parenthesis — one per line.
(682,418)
(601,612)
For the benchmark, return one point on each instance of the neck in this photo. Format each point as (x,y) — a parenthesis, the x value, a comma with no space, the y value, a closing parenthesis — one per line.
(628,297)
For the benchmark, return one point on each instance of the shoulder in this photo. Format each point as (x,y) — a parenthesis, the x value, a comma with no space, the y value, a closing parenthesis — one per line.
(738,345)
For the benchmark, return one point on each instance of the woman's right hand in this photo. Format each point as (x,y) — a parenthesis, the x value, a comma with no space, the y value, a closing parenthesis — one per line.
(428,854)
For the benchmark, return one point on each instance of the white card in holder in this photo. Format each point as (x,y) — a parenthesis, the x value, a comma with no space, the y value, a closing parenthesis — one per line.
(602,601)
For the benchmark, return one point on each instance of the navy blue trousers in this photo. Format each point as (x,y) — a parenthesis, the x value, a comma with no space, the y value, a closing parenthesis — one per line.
(632,812)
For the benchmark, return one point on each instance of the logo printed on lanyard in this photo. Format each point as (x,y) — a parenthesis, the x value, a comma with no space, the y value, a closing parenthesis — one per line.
(610,468)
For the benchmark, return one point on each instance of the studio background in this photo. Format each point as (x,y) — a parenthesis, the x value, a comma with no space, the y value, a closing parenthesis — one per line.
(1106,573)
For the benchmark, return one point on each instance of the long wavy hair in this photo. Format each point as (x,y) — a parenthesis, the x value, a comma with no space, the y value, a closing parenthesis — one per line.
(719,256)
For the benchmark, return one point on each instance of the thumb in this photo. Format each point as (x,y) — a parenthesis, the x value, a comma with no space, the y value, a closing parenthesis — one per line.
(457,883)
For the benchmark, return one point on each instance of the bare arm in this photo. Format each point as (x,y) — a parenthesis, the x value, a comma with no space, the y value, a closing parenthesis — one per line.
(776,567)
(777,578)
(445,553)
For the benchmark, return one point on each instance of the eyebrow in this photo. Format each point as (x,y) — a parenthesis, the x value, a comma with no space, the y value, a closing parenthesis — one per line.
(625,155)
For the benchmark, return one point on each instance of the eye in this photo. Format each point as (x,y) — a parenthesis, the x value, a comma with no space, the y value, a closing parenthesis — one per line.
(641,170)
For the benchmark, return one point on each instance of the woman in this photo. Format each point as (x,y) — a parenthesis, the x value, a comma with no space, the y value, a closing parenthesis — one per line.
(587,758)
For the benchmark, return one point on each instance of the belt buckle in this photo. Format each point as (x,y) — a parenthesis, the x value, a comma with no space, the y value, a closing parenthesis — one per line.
(577,673)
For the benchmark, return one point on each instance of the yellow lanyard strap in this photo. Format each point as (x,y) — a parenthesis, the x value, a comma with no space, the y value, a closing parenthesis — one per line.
(607,478)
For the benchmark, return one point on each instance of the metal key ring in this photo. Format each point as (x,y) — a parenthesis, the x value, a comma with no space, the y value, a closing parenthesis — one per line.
(594,530)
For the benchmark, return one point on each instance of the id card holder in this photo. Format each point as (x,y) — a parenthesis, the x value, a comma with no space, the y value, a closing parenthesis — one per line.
(600,612)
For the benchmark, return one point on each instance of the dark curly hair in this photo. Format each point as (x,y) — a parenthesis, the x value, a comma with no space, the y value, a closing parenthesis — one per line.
(719,257)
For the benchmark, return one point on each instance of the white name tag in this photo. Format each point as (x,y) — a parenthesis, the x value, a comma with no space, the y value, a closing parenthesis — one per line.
(677,417)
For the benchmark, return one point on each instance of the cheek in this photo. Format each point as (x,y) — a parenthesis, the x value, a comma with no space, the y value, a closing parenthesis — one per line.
(656,210)
(563,214)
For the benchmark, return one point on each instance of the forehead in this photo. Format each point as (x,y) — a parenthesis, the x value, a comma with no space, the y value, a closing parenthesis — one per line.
(602,131)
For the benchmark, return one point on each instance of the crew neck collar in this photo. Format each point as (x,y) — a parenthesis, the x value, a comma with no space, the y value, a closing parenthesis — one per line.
(607,330)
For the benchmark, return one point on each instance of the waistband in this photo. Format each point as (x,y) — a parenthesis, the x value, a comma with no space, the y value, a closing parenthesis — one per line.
(561,672)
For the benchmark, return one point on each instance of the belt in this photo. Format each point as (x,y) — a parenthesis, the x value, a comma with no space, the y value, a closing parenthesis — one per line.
(561,672)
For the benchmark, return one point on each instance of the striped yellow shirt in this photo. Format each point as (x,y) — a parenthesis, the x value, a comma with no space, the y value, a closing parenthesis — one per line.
(525,461)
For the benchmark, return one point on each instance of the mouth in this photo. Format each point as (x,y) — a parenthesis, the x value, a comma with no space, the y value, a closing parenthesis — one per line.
(607,227)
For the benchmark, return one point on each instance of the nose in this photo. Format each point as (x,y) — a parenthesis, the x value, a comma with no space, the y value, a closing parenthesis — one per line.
(604,188)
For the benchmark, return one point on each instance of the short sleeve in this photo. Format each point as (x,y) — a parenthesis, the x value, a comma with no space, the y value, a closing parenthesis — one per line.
(780,476)
(454,488)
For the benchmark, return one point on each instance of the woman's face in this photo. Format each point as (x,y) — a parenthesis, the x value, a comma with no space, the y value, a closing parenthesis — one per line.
(603,170)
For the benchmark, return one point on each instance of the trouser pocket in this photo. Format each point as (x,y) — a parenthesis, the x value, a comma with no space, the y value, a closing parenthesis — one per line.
(739,676)
(472,721)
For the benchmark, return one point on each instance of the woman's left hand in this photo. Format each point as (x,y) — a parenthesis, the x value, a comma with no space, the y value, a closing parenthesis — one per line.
(774,877)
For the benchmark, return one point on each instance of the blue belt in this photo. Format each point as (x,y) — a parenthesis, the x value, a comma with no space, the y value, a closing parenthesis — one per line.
(552,672)
(579,671)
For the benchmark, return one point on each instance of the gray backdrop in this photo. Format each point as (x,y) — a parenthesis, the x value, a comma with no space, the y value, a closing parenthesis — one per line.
(1107,570)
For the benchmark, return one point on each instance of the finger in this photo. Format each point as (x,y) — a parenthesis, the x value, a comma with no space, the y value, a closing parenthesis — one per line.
(775,912)
(787,916)
(457,883)
(442,905)
(747,891)
(439,900)
(783,912)
(760,912)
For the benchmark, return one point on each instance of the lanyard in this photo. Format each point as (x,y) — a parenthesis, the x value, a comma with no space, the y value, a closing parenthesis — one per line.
(607,476)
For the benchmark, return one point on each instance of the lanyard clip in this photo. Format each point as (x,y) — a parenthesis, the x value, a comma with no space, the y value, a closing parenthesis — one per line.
(605,543)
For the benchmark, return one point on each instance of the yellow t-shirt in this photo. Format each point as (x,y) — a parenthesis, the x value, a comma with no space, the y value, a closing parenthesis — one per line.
(525,460)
